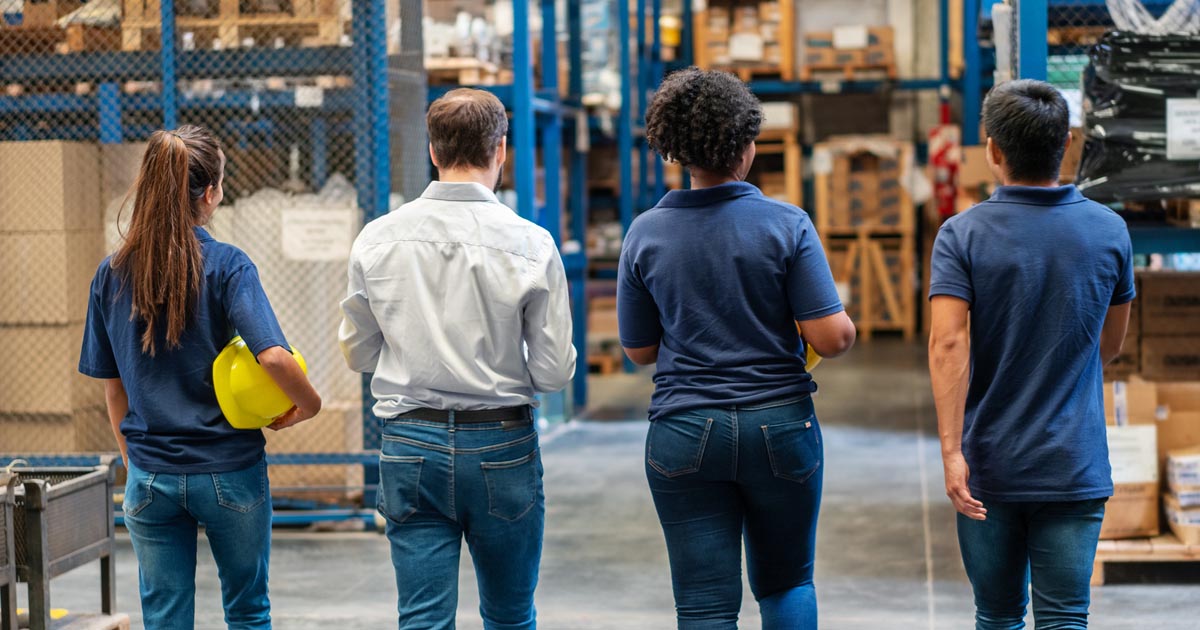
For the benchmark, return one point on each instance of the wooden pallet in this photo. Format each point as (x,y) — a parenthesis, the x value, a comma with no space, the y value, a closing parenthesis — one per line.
(52,39)
(309,23)
(849,72)
(1165,548)
(880,273)
(461,71)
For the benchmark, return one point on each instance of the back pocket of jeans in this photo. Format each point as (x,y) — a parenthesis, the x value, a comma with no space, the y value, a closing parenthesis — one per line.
(139,493)
(242,490)
(675,444)
(512,486)
(399,486)
(794,449)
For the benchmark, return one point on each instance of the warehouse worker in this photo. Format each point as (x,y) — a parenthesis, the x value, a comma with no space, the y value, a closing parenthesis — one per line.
(711,284)
(160,311)
(1031,293)
(460,309)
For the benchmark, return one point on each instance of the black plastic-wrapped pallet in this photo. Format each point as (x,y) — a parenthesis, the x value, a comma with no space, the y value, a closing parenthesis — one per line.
(1126,86)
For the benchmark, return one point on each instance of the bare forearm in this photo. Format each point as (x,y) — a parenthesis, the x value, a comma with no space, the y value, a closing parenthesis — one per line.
(117,403)
(285,371)
(949,369)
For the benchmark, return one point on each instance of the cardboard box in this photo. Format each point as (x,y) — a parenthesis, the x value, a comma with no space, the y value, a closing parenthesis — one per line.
(119,166)
(1070,163)
(1169,359)
(779,115)
(879,56)
(1183,475)
(42,374)
(820,56)
(83,431)
(1132,512)
(770,11)
(337,429)
(45,277)
(973,170)
(1130,402)
(1170,303)
(45,13)
(1184,522)
(881,37)
(602,319)
(49,186)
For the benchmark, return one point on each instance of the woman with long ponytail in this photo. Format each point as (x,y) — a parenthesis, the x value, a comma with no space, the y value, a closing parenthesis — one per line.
(161,309)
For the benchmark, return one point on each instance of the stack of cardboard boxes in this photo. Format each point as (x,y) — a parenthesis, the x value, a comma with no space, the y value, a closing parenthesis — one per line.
(51,241)
(1182,503)
(1149,425)
(865,191)
(850,46)
(1170,326)
(754,33)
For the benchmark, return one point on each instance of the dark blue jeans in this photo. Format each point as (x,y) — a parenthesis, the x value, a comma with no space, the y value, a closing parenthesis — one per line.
(1051,545)
(723,474)
(442,482)
(163,512)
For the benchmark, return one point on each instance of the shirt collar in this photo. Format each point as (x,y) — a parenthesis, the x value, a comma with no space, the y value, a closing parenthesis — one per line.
(202,235)
(459,191)
(1038,195)
(707,196)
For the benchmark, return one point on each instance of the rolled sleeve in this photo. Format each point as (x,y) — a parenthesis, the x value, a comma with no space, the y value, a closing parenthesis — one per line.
(950,272)
(547,325)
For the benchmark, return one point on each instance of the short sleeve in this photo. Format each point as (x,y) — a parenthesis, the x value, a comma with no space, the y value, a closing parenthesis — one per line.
(812,293)
(250,312)
(96,359)
(1125,291)
(637,313)
(950,272)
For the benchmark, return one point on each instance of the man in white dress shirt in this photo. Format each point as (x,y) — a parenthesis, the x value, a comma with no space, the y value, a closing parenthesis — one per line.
(460,309)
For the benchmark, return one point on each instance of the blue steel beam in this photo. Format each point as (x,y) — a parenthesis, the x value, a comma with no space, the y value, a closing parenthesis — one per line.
(972,88)
(1031,39)
(625,119)
(170,83)
(656,76)
(378,80)
(523,136)
(550,216)
(576,264)
(109,102)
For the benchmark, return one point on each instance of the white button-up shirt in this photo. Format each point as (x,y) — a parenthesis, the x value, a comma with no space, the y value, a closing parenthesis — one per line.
(456,302)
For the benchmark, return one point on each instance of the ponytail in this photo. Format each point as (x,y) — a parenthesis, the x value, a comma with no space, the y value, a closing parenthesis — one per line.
(160,260)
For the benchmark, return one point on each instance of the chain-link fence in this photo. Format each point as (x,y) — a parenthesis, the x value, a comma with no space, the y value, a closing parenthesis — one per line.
(285,85)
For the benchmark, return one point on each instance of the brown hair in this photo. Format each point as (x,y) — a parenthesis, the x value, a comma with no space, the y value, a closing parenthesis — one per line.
(160,258)
(465,128)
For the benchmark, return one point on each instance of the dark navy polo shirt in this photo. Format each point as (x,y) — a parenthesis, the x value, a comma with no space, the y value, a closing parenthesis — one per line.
(174,424)
(1040,268)
(718,277)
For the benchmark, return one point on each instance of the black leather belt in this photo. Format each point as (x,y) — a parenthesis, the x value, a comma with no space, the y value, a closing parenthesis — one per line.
(506,414)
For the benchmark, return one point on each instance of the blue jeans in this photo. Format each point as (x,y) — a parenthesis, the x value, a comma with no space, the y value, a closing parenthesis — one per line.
(721,474)
(163,512)
(1051,544)
(439,483)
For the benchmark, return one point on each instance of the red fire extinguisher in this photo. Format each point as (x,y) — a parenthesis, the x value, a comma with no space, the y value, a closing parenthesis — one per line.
(944,157)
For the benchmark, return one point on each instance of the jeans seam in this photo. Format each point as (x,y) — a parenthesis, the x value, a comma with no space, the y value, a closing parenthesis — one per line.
(453,459)
(733,416)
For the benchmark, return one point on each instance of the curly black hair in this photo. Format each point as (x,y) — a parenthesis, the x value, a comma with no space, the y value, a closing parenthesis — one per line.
(703,119)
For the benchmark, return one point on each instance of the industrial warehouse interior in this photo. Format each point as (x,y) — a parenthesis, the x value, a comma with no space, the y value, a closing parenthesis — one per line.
(600,314)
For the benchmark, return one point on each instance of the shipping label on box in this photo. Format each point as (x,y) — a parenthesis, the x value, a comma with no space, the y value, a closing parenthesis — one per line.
(850,37)
(1133,453)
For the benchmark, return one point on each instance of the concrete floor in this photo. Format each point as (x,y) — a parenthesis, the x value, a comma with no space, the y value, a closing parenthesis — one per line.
(887,558)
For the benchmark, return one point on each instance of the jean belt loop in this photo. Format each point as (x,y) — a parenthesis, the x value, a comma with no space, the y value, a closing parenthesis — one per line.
(450,419)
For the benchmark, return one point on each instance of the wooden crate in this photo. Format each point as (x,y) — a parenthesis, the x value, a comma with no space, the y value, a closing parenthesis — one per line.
(879,272)
(775,23)
(461,71)
(37,40)
(305,23)
(1165,548)
(833,184)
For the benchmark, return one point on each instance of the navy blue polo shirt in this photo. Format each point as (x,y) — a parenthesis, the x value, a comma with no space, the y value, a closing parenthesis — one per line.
(717,278)
(1040,268)
(174,424)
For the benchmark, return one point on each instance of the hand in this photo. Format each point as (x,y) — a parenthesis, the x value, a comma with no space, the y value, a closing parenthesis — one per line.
(957,473)
(291,417)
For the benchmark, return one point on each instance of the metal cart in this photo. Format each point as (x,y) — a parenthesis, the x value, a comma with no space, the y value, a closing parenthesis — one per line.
(8,560)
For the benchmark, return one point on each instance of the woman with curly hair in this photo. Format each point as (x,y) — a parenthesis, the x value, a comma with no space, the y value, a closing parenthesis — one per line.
(712,284)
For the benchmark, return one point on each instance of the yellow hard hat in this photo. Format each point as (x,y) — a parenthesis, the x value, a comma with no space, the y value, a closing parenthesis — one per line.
(248,396)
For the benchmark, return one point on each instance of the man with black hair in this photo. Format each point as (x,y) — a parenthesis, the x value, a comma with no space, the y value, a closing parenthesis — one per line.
(1030,293)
